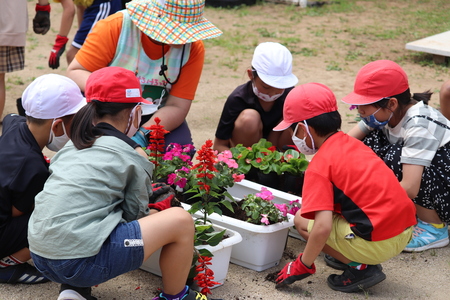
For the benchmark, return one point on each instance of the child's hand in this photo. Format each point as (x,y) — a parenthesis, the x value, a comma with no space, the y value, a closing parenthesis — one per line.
(294,271)
(57,51)
(163,197)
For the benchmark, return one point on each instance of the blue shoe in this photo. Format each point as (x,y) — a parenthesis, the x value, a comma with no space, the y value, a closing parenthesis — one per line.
(426,236)
(21,273)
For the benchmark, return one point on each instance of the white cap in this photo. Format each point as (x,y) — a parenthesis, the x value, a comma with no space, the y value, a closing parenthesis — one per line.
(52,96)
(273,63)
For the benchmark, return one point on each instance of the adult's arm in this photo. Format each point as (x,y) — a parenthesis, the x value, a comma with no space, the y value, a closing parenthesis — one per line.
(172,114)
(78,73)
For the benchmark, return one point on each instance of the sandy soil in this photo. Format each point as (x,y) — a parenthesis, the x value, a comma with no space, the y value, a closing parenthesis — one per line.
(340,43)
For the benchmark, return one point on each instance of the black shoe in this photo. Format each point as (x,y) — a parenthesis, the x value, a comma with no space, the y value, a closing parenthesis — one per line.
(353,280)
(68,292)
(22,273)
(334,263)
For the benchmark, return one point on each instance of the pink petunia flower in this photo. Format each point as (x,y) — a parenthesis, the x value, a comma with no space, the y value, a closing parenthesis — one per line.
(264,219)
(283,208)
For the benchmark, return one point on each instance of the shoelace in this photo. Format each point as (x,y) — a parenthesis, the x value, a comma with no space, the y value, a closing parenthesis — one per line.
(417,231)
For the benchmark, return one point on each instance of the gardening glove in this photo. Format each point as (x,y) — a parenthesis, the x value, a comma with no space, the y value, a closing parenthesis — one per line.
(141,137)
(163,197)
(294,271)
(57,51)
(41,21)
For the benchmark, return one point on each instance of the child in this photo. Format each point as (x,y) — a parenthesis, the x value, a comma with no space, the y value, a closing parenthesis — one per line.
(444,99)
(353,208)
(413,139)
(50,102)
(88,13)
(103,208)
(255,108)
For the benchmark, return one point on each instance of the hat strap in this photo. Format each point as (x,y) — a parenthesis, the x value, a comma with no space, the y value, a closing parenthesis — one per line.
(164,66)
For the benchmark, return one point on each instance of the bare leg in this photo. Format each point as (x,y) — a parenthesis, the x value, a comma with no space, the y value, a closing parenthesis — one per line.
(428,215)
(23,254)
(247,128)
(444,99)
(67,17)
(173,230)
(2,94)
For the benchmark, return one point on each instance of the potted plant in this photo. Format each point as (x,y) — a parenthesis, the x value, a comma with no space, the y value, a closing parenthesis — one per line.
(293,169)
(209,242)
(264,227)
(262,159)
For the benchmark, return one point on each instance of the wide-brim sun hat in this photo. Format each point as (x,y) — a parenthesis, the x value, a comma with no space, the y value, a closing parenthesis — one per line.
(306,101)
(377,80)
(172,21)
(273,64)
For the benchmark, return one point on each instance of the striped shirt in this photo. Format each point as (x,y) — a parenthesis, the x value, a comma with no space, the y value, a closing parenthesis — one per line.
(421,132)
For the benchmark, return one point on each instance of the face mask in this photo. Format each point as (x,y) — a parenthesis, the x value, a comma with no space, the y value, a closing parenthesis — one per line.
(131,129)
(371,121)
(301,143)
(265,97)
(55,143)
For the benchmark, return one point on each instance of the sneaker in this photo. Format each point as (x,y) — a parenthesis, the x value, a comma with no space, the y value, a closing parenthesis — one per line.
(22,273)
(68,292)
(192,295)
(334,263)
(426,236)
(353,280)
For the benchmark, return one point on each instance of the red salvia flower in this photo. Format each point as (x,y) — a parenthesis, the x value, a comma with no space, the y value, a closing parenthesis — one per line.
(205,276)
(156,141)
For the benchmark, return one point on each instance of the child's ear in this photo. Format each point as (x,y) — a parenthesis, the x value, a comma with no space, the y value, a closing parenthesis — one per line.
(250,73)
(57,127)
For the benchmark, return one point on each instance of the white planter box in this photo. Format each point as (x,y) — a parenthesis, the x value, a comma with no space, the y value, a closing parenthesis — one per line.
(262,246)
(220,260)
(245,187)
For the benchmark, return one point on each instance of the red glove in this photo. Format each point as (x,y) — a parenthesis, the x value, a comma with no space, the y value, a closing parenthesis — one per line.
(162,197)
(41,21)
(57,51)
(294,271)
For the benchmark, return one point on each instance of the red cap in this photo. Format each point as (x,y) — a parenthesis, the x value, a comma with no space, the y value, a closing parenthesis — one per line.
(377,80)
(114,84)
(305,102)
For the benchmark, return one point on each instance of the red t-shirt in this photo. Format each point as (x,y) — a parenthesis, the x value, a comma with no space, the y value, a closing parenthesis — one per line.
(100,47)
(347,177)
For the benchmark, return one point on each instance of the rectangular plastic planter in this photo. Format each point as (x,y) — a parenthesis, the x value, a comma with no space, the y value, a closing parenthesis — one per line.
(220,261)
(262,246)
(245,187)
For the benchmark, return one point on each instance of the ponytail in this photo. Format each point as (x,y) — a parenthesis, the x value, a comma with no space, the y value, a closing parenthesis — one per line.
(83,130)
(83,133)
(424,97)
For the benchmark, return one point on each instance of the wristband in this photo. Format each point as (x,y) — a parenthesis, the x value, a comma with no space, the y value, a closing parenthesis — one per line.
(46,8)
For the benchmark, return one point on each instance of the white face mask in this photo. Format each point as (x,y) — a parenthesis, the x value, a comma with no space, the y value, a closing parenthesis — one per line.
(265,97)
(131,129)
(55,143)
(301,143)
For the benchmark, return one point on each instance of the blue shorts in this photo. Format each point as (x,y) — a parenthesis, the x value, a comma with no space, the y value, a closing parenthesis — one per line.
(100,9)
(122,252)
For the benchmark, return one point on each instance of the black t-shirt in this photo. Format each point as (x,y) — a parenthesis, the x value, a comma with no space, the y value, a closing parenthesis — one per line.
(23,170)
(243,98)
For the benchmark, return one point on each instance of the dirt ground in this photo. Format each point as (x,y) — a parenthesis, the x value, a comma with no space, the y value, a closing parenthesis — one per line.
(327,48)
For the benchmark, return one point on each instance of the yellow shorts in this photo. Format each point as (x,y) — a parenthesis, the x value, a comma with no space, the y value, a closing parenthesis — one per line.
(357,249)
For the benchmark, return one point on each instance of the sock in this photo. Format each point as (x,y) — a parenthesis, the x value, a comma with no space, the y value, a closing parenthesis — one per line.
(438,226)
(357,266)
(9,261)
(177,296)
